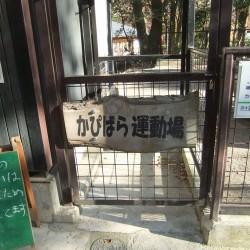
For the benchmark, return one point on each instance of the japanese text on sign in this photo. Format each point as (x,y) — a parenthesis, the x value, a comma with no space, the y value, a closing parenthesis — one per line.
(10,177)
(142,125)
(15,226)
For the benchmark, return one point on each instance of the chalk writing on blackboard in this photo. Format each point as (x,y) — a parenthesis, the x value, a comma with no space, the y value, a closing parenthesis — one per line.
(5,193)
(15,226)
(13,211)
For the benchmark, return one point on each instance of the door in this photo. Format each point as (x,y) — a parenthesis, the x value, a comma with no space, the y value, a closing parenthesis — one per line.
(12,116)
(8,119)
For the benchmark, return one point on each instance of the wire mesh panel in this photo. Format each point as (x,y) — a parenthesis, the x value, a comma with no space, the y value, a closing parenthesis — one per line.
(198,60)
(160,176)
(139,64)
(132,176)
(237,176)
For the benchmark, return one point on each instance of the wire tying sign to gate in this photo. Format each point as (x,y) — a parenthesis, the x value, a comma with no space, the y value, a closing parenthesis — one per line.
(133,125)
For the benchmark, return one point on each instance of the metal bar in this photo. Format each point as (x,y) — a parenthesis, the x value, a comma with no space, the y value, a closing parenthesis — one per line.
(188,69)
(225,17)
(217,40)
(138,57)
(138,78)
(223,41)
(142,202)
(200,52)
(213,35)
(208,140)
(94,36)
(240,51)
(185,4)
(222,138)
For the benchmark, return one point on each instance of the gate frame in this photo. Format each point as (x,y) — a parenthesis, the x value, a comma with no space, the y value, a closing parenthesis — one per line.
(220,27)
(54,80)
(224,117)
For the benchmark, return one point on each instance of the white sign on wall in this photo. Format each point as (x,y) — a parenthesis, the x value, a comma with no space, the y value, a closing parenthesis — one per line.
(242,102)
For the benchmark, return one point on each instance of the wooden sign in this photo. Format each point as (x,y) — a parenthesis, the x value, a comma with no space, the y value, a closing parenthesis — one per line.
(133,125)
(15,226)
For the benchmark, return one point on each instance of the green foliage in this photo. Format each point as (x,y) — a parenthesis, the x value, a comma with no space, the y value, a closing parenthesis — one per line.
(241,4)
(202,14)
(240,15)
(149,15)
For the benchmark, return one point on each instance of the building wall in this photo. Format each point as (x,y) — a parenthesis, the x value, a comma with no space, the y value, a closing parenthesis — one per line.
(102,24)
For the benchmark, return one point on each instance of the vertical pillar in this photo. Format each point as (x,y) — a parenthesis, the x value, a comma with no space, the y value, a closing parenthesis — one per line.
(191,23)
(220,24)
(185,4)
(87,45)
(54,74)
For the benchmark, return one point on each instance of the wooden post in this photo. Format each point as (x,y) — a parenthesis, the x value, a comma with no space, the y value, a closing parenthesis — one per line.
(17,145)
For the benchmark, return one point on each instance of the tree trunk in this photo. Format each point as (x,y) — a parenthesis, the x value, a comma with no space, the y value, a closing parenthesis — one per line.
(140,25)
(242,17)
(178,36)
(172,26)
(175,27)
(154,38)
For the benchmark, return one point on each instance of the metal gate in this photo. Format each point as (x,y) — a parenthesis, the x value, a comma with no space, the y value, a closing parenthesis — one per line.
(103,176)
(115,177)
(232,168)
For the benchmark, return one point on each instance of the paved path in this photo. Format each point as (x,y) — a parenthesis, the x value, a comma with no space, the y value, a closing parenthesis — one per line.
(136,227)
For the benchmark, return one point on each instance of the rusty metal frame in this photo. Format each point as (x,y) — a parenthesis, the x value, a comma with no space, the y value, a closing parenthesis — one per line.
(219,37)
(137,78)
(219,30)
(229,55)
(223,131)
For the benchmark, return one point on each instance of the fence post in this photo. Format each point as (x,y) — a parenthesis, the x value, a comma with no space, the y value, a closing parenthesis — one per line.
(223,132)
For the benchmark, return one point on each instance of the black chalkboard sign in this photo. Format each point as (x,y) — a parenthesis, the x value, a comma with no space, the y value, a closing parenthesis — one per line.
(15,225)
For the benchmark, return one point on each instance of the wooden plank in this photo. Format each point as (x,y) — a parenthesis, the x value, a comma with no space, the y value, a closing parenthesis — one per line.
(133,125)
(36,82)
(17,145)
(61,95)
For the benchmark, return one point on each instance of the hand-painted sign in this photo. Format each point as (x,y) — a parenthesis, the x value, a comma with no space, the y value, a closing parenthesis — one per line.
(133,125)
(242,102)
(15,226)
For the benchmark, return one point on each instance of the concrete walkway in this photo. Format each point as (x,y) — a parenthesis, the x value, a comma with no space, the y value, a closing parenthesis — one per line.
(126,227)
